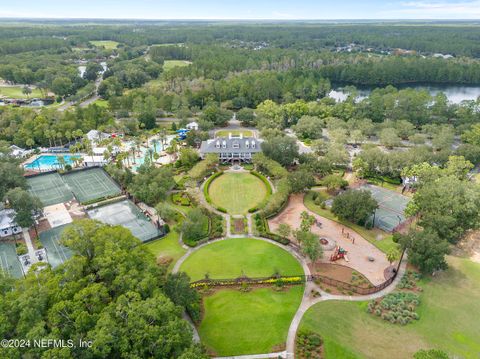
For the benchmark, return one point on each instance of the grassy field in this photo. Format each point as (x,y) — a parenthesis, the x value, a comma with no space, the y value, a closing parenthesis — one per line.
(248,322)
(224,133)
(170,64)
(16,92)
(448,321)
(237,192)
(370,235)
(107,44)
(102,103)
(240,256)
(167,246)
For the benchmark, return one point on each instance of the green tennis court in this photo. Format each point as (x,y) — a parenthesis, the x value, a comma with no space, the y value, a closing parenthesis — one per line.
(9,263)
(49,188)
(391,206)
(126,214)
(91,184)
(56,253)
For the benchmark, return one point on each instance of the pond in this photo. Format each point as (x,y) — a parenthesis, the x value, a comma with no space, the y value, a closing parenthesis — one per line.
(455,93)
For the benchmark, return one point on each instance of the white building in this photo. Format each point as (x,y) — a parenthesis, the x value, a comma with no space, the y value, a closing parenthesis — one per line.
(92,161)
(96,136)
(192,126)
(8,226)
(19,152)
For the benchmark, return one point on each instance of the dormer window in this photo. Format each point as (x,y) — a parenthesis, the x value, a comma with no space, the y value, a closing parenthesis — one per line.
(247,144)
(235,144)
(253,144)
(217,144)
(224,144)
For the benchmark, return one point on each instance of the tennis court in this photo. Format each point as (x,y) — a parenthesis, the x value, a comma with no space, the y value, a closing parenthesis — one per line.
(126,214)
(9,263)
(49,188)
(91,184)
(391,206)
(56,253)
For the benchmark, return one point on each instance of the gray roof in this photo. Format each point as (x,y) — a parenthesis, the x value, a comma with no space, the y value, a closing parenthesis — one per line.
(245,145)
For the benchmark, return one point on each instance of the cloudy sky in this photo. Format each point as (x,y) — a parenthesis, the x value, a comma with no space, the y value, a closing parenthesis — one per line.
(243,9)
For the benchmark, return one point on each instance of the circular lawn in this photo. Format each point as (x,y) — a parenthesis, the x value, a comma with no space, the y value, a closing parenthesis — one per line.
(235,257)
(235,322)
(237,192)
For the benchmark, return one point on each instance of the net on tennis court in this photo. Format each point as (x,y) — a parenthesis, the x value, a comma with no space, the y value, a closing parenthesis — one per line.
(126,214)
(49,188)
(391,207)
(56,253)
(91,184)
(9,263)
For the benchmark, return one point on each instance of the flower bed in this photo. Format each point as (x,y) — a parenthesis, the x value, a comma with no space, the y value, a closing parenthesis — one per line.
(397,308)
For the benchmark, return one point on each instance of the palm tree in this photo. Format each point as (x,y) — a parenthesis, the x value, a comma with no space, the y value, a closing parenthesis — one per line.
(155,143)
(30,142)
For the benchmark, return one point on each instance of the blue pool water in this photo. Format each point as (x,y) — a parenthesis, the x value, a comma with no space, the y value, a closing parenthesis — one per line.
(48,162)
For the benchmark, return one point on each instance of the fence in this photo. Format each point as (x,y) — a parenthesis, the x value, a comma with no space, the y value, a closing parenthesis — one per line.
(300,279)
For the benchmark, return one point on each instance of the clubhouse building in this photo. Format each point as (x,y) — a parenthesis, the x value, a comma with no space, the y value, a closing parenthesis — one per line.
(232,149)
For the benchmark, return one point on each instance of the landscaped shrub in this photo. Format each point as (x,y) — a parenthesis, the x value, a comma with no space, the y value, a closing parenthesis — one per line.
(181,199)
(308,345)
(207,185)
(278,199)
(398,307)
(21,249)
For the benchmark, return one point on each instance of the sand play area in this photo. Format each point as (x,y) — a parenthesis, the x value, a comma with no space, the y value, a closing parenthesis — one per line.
(363,256)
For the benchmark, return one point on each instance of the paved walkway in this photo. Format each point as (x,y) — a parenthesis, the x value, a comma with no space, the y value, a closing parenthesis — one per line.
(257,356)
(28,242)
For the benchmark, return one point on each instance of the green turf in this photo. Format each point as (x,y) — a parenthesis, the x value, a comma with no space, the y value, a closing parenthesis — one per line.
(91,184)
(167,246)
(233,257)
(225,133)
(252,322)
(170,64)
(372,235)
(102,103)
(237,192)
(106,44)
(448,320)
(16,92)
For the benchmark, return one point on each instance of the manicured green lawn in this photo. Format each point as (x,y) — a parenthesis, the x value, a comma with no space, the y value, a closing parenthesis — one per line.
(102,103)
(224,133)
(170,64)
(252,322)
(370,235)
(237,192)
(234,257)
(16,92)
(107,44)
(449,309)
(167,246)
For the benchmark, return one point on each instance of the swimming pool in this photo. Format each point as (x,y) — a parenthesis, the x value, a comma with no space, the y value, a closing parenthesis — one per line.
(49,162)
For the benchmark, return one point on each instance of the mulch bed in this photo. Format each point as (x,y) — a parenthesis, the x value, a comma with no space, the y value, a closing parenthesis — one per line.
(238,225)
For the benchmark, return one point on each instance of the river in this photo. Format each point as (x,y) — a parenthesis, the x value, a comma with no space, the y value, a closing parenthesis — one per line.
(454,93)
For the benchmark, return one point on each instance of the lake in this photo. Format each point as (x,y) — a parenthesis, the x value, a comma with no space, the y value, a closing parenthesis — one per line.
(454,93)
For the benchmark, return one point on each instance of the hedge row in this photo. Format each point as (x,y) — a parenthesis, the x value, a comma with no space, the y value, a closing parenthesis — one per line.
(262,228)
(269,192)
(277,200)
(207,185)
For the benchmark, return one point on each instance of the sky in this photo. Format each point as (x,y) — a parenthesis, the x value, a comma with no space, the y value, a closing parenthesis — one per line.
(243,9)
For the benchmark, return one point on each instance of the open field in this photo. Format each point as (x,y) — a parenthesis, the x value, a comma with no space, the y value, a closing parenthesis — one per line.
(447,321)
(252,322)
(170,64)
(167,247)
(16,92)
(225,133)
(237,192)
(240,256)
(107,44)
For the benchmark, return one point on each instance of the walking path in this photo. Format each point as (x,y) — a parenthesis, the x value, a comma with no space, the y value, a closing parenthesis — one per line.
(28,242)
(310,287)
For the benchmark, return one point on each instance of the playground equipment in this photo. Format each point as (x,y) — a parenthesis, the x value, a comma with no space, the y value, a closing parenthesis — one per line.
(338,253)
(182,133)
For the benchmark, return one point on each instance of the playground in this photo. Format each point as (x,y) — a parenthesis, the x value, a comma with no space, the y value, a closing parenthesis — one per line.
(56,253)
(126,214)
(9,263)
(90,184)
(49,188)
(391,206)
(358,253)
